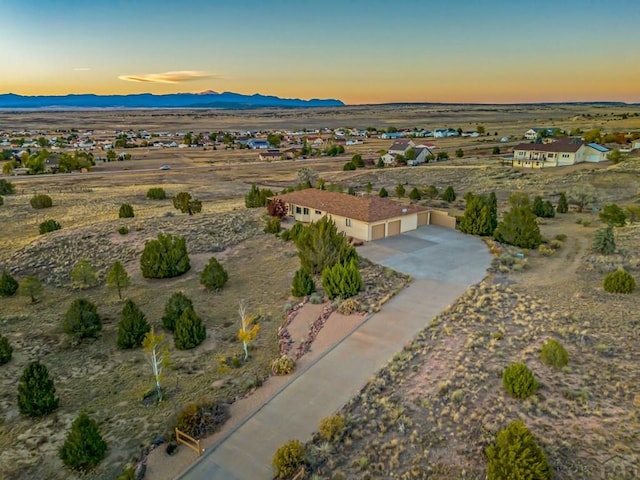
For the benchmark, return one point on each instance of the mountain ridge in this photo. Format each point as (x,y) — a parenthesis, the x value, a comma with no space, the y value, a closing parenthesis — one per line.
(207,99)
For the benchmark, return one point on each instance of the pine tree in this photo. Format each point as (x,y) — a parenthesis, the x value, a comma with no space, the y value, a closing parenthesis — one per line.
(414,194)
(214,276)
(383,193)
(118,278)
(538,206)
(36,391)
(449,195)
(342,281)
(165,257)
(32,288)
(6,350)
(189,332)
(321,245)
(82,319)
(302,284)
(519,228)
(83,274)
(8,284)
(133,326)
(563,204)
(604,241)
(174,308)
(400,190)
(84,446)
(478,216)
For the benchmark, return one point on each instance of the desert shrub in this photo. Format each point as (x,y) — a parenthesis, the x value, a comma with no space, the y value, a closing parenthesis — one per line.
(8,284)
(613,215)
(349,307)
(302,284)
(39,201)
(48,226)
(349,166)
(288,459)
(285,235)
(517,455)
(6,350)
(6,187)
(202,418)
(214,276)
(277,208)
(342,280)
(83,274)
(331,428)
(126,211)
(186,204)
(546,251)
(82,319)
(554,354)
(174,308)
(320,245)
(561,237)
(189,331)
(31,287)
(315,298)
(283,365)
(563,204)
(132,327)
(604,241)
(156,193)
(619,281)
(272,225)
(556,244)
(36,391)
(123,230)
(449,195)
(165,257)
(518,380)
(84,446)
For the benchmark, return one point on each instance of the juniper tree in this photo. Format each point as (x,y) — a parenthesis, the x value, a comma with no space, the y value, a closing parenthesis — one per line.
(84,446)
(8,284)
(82,319)
(133,326)
(214,276)
(174,308)
(36,391)
(118,278)
(189,332)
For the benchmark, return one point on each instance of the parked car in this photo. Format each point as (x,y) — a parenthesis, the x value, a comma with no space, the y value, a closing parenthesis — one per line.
(165,167)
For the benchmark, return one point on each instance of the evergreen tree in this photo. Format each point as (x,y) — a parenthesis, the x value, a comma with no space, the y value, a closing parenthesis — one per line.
(82,319)
(538,206)
(604,241)
(383,193)
(257,198)
(479,217)
(321,245)
(400,190)
(613,215)
(36,391)
(6,350)
(47,226)
(302,284)
(126,211)
(516,455)
(32,288)
(414,194)
(84,446)
(174,308)
(186,204)
(563,204)
(493,207)
(165,257)
(8,284)
(189,332)
(83,274)
(342,280)
(214,276)
(133,326)
(449,195)
(118,278)
(519,228)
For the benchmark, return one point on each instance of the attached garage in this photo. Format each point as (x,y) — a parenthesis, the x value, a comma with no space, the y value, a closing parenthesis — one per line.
(594,158)
(423,218)
(377,231)
(393,228)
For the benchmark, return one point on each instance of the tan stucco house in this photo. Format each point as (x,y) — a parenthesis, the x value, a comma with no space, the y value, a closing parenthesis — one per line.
(365,218)
(557,154)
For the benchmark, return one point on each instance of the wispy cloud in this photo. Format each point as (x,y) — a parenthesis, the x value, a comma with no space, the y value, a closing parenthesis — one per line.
(169,77)
(81,69)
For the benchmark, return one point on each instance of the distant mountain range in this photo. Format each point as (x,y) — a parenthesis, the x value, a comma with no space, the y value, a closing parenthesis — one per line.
(208,99)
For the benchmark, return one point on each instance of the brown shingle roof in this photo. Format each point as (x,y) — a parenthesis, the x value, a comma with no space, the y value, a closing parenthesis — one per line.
(371,208)
(556,147)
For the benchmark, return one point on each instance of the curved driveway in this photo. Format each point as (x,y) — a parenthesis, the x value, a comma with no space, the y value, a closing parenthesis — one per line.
(443,263)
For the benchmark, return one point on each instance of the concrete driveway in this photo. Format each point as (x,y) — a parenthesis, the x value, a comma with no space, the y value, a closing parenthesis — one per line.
(444,263)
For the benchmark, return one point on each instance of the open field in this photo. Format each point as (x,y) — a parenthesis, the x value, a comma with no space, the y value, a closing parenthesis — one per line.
(444,389)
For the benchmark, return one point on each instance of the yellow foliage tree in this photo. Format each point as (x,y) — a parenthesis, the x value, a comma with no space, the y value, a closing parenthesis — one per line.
(157,349)
(248,328)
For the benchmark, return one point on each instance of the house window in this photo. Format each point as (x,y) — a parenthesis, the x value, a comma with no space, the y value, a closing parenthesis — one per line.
(305,211)
(565,155)
(318,212)
(348,222)
(298,210)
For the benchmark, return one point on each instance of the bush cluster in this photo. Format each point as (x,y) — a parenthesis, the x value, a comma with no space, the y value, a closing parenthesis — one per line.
(518,226)
(165,257)
(517,455)
(174,308)
(288,459)
(202,418)
(283,365)
(554,354)
(272,225)
(331,428)
(39,201)
(256,197)
(126,211)
(302,284)
(519,381)
(543,208)
(619,281)
(48,226)
(156,193)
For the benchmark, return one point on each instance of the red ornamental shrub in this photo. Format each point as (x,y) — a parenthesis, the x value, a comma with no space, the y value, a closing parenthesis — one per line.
(277,208)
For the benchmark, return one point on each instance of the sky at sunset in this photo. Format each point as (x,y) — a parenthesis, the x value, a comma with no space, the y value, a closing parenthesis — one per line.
(360,51)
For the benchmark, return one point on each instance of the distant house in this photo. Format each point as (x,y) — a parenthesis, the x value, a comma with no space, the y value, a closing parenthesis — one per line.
(315,141)
(557,154)
(392,135)
(270,155)
(534,133)
(421,156)
(400,147)
(364,218)
(443,133)
(256,144)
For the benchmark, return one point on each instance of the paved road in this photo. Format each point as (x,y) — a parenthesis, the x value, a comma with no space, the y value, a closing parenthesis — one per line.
(443,262)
